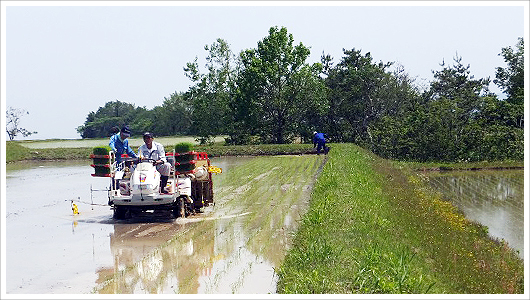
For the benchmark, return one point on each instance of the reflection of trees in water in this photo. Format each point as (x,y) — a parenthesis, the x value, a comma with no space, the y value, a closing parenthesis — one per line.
(254,217)
(497,188)
(147,259)
(277,199)
(272,193)
(491,198)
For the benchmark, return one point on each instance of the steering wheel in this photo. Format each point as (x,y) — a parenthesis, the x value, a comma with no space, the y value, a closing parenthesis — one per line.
(153,161)
(128,161)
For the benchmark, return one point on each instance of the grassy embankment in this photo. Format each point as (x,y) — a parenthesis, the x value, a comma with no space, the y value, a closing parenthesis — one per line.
(373,227)
(82,148)
(15,151)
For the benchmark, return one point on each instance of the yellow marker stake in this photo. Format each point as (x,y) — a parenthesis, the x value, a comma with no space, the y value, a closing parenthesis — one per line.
(75,209)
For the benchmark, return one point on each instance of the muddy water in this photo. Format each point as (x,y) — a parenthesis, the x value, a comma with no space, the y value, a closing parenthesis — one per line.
(491,198)
(233,247)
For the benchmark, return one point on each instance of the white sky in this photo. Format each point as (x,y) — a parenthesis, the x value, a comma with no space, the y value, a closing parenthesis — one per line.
(61,60)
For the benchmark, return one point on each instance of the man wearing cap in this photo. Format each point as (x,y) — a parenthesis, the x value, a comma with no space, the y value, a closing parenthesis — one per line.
(319,141)
(155,150)
(120,145)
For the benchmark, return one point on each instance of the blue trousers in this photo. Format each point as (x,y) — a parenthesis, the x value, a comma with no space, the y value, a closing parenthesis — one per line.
(321,145)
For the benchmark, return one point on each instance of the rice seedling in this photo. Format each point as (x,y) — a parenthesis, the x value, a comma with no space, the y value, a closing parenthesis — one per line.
(183,147)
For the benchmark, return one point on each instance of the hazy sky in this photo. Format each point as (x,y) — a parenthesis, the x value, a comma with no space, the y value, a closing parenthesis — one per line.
(60,61)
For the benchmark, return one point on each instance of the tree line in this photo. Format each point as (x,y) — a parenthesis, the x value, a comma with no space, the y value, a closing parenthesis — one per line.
(270,94)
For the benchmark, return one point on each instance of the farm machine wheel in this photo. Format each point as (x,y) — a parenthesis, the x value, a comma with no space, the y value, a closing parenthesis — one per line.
(201,194)
(180,209)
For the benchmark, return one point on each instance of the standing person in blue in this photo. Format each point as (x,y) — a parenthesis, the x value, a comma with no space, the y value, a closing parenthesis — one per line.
(120,145)
(319,141)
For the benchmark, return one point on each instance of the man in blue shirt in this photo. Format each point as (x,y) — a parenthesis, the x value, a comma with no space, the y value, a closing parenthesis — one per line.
(319,141)
(120,145)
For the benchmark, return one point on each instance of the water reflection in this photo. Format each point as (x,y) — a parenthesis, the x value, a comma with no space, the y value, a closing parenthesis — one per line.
(157,258)
(231,248)
(492,198)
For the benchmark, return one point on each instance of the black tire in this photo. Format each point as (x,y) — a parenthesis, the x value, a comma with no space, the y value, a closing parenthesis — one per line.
(200,195)
(119,212)
(208,198)
(180,209)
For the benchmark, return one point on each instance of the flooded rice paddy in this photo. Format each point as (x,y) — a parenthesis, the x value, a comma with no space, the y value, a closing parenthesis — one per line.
(233,247)
(491,198)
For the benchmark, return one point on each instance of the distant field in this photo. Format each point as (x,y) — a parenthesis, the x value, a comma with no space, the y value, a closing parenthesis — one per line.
(88,143)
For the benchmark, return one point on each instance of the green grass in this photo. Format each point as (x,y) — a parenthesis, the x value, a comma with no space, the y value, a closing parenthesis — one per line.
(135,141)
(372,228)
(16,151)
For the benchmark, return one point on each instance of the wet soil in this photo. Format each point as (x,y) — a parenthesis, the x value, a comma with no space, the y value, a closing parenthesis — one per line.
(232,247)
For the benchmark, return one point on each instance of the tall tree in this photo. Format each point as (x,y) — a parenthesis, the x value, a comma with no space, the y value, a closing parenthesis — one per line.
(211,92)
(453,106)
(511,78)
(102,123)
(457,84)
(273,78)
(173,117)
(356,85)
(390,131)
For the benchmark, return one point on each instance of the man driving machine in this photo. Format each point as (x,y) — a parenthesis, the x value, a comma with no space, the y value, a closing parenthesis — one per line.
(154,150)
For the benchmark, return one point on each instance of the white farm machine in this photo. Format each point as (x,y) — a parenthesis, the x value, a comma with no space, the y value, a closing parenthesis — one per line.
(135,183)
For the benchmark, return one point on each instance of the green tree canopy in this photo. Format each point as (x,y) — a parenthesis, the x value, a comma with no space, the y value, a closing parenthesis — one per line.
(173,117)
(104,122)
(211,92)
(356,85)
(270,94)
(511,78)
(274,80)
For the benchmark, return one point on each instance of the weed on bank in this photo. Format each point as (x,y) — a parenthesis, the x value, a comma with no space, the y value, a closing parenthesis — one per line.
(373,228)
